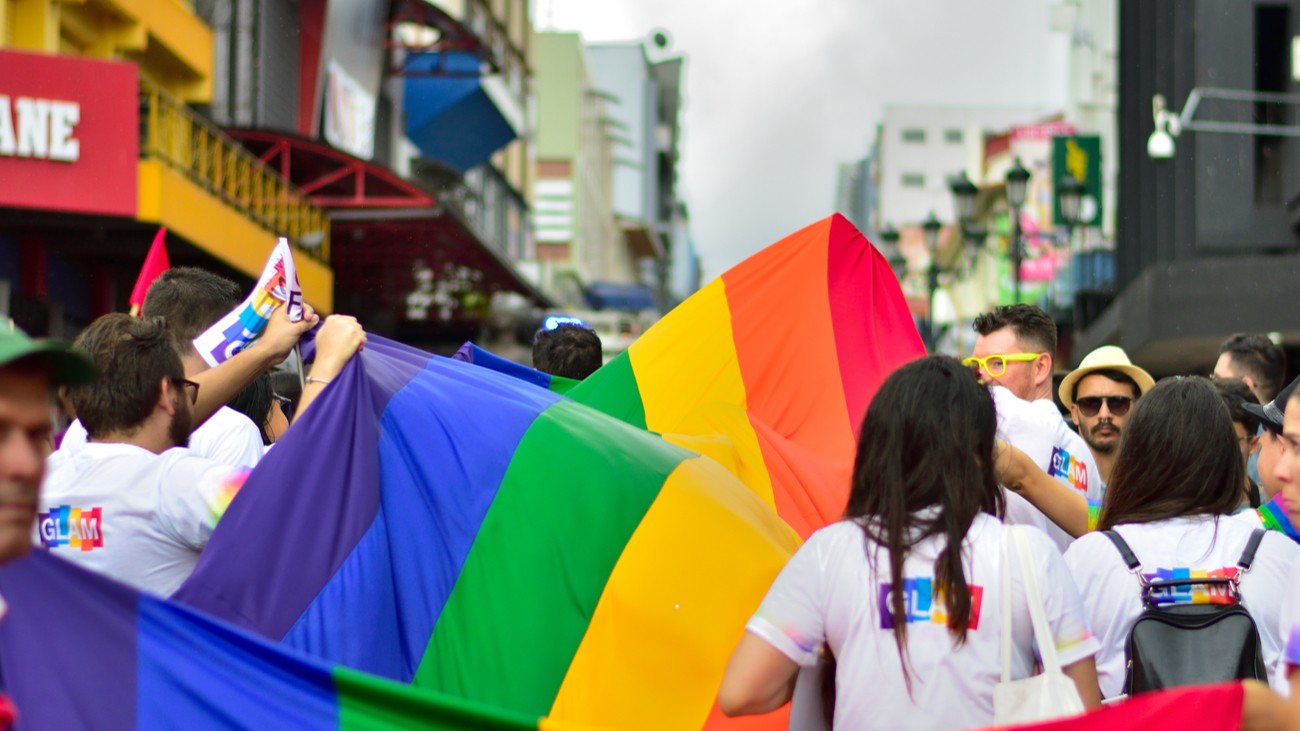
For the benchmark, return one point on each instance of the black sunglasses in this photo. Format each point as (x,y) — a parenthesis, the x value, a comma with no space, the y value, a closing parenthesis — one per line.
(1090,405)
(191,388)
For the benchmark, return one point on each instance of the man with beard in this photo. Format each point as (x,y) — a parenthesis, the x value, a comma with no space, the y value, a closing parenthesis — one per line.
(129,504)
(1100,394)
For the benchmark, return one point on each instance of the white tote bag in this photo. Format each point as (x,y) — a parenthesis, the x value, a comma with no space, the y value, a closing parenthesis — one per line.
(1042,697)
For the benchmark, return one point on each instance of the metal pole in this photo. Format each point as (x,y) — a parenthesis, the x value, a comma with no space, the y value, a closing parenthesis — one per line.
(1015,248)
(929,320)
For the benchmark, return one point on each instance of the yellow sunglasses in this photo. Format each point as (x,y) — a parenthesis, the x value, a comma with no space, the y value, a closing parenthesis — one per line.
(996,364)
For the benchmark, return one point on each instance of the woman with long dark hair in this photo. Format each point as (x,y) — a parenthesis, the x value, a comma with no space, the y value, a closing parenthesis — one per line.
(1175,483)
(905,589)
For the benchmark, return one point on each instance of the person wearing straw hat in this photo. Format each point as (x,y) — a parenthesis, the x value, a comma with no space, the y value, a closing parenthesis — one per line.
(1099,394)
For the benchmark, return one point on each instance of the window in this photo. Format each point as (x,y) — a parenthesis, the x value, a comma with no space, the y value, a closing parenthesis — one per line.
(914,136)
(952,136)
(913,180)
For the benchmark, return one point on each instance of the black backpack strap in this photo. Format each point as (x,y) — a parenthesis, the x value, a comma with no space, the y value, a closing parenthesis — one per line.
(1125,552)
(1252,545)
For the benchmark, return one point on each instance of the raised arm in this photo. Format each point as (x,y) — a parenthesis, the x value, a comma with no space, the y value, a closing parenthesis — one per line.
(338,340)
(1061,504)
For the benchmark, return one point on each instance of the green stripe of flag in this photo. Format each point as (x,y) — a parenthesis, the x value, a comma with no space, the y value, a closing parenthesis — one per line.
(576,489)
(613,390)
(371,703)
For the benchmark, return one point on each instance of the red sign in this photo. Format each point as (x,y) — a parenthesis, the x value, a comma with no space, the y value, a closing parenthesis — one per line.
(69,134)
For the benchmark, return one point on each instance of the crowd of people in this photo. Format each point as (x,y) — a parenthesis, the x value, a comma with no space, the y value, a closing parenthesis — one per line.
(913,606)
(1148,497)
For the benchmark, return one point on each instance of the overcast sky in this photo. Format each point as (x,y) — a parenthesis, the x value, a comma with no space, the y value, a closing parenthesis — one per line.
(777,94)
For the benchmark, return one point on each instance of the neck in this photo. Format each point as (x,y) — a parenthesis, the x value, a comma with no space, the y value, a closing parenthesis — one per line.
(1041,391)
(1105,463)
(150,436)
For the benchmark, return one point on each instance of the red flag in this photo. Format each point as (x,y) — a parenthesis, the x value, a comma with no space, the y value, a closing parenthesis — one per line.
(1202,706)
(154,265)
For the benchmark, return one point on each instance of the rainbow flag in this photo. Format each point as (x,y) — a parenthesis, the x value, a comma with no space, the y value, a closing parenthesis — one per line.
(769,369)
(471,353)
(84,652)
(443,524)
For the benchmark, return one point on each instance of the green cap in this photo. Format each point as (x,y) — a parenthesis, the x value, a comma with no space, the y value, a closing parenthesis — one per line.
(65,366)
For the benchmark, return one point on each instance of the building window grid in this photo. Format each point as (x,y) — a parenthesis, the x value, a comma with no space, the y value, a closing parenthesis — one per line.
(953,136)
(913,135)
(912,180)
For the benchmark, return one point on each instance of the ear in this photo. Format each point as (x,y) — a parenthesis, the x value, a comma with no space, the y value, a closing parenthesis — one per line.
(1074,414)
(1043,368)
(1250,382)
(167,396)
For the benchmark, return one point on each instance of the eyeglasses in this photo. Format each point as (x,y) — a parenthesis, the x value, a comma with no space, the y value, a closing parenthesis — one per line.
(191,388)
(1090,405)
(996,364)
(286,405)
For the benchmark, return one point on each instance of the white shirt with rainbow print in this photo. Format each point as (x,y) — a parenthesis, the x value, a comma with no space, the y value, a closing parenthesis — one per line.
(1179,548)
(138,517)
(830,592)
(1038,429)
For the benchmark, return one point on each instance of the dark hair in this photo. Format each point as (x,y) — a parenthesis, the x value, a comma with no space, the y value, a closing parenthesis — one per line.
(572,351)
(1116,376)
(190,300)
(1256,356)
(1178,457)
(132,357)
(255,403)
(1030,324)
(1236,394)
(926,441)
(286,384)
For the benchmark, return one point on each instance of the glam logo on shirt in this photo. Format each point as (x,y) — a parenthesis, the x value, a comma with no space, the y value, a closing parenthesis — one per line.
(64,525)
(1194,593)
(922,604)
(1067,468)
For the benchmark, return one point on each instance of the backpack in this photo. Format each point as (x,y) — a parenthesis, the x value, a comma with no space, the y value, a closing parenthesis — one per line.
(1189,644)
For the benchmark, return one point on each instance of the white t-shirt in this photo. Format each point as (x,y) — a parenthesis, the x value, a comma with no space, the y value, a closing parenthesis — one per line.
(228,437)
(1037,429)
(831,592)
(1289,625)
(138,517)
(1173,549)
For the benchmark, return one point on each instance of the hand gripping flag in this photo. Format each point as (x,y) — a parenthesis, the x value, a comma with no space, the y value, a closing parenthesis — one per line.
(155,263)
(234,332)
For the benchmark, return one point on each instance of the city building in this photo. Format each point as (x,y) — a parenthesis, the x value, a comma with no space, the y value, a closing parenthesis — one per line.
(857,191)
(1206,237)
(101,143)
(578,239)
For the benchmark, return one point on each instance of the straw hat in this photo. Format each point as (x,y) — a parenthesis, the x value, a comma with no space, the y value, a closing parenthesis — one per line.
(1105,358)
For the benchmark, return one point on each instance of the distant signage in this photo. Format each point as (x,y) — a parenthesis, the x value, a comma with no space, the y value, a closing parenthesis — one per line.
(69,134)
(1078,156)
(349,113)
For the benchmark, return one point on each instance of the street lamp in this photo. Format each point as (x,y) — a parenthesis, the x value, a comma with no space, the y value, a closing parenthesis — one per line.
(964,194)
(1017,191)
(1069,191)
(897,262)
(931,227)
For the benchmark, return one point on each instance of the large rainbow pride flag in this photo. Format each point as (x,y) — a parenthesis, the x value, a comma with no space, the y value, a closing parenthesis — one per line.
(769,368)
(446,525)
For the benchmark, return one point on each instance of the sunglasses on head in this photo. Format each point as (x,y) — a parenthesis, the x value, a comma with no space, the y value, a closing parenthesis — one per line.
(1091,405)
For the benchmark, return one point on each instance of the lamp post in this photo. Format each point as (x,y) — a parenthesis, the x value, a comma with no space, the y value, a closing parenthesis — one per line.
(1017,191)
(897,262)
(1069,194)
(964,197)
(931,227)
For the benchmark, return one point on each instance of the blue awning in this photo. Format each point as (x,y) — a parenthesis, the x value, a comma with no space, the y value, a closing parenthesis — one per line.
(614,296)
(453,114)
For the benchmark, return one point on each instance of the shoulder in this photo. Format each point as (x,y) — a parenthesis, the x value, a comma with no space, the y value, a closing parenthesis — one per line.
(227,421)
(180,463)
(1092,550)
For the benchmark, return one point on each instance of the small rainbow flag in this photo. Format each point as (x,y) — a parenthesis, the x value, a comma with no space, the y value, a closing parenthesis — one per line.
(769,368)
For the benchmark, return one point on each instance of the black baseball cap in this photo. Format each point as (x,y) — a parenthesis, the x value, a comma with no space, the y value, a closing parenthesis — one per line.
(1273,412)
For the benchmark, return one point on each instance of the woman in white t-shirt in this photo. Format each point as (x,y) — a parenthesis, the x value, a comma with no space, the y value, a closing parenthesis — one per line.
(1175,483)
(928,655)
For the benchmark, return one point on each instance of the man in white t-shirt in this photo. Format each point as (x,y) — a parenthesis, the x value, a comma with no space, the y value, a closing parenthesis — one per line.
(1014,355)
(190,299)
(29,371)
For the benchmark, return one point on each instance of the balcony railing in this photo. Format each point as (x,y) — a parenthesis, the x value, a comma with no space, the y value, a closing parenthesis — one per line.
(198,150)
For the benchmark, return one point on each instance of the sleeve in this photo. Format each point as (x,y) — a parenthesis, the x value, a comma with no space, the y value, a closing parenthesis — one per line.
(1063,605)
(195,495)
(238,445)
(791,617)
